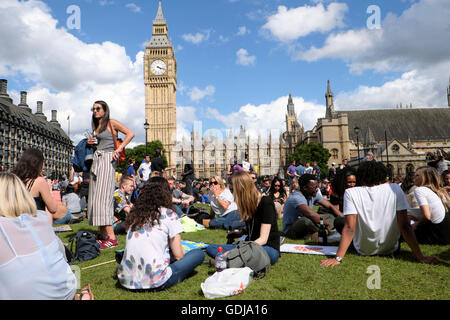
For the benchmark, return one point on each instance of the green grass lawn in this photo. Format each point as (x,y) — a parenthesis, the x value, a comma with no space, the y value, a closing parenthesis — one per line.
(295,276)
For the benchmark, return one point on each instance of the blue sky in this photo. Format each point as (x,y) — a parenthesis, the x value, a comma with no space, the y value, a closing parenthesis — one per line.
(237,59)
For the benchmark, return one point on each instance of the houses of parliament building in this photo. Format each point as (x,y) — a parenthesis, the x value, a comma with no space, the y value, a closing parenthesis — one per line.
(404,138)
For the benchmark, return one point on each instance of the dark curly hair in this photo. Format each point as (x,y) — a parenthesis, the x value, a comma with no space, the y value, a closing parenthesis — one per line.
(29,165)
(304,179)
(338,184)
(371,173)
(154,195)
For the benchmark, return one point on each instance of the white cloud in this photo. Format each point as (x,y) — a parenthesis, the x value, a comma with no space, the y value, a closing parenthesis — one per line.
(242,31)
(106,2)
(185,121)
(68,74)
(243,58)
(414,43)
(133,7)
(196,94)
(290,24)
(264,118)
(198,37)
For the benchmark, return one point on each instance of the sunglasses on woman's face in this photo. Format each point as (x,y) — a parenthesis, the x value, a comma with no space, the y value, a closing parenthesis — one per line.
(277,185)
(213,182)
(96,109)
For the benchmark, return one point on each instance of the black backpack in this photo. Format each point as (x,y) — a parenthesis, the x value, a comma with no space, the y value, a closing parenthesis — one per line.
(86,247)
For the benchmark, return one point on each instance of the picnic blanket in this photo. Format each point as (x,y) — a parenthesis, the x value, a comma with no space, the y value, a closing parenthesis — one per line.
(309,249)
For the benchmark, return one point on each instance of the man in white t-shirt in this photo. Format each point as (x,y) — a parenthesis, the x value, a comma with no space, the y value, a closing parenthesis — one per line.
(375,217)
(146,168)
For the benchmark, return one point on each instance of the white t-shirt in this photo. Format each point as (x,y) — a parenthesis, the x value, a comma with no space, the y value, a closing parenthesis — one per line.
(146,260)
(146,170)
(426,197)
(376,230)
(73,202)
(217,208)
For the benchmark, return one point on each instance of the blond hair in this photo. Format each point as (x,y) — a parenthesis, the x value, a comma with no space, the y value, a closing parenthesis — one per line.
(245,194)
(430,178)
(220,181)
(14,197)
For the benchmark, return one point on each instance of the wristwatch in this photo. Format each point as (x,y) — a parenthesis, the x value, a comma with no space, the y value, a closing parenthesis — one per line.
(338,259)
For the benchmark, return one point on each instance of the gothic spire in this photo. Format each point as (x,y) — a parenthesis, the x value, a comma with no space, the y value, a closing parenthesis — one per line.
(329,101)
(159,19)
(329,92)
(290,106)
(448,92)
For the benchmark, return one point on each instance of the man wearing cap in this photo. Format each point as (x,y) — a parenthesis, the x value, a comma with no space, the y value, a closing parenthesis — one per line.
(332,171)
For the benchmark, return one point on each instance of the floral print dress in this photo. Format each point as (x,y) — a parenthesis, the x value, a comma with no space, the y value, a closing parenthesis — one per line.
(146,260)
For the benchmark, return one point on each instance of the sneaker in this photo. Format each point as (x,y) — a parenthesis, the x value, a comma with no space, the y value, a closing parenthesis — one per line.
(100,239)
(108,243)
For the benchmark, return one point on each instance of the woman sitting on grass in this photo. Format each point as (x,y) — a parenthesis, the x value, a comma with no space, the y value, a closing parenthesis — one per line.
(259,215)
(223,207)
(29,169)
(33,265)
(153,237)
(433,225)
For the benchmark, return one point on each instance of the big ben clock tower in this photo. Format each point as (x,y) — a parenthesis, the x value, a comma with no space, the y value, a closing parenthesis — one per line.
(160,78)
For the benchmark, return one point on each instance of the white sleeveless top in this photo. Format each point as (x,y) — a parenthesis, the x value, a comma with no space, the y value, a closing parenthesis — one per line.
(32,260)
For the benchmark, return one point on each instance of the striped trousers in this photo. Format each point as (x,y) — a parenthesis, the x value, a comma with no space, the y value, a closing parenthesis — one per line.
(101,190)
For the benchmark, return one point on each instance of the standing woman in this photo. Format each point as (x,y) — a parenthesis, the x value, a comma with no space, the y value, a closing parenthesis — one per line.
(433,225)
(101,186)
(258,213)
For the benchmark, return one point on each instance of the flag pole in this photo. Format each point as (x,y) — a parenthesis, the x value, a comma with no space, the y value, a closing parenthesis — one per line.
(68,129)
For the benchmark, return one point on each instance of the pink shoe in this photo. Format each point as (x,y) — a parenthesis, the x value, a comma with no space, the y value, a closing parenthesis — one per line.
(108,243)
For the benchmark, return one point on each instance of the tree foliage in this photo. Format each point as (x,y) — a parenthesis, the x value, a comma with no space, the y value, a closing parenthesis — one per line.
(138,153)
(309,153)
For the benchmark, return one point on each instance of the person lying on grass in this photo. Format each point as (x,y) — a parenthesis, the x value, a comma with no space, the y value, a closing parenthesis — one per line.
(375,217)
(154,240)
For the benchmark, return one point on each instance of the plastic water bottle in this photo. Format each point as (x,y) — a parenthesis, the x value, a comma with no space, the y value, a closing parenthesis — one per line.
(221,260)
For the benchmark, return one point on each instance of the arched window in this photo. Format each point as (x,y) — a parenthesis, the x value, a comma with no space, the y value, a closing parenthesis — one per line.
(409,168)
(334,153)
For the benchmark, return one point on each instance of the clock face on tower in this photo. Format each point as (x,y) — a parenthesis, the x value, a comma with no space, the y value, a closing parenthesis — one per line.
(158,67)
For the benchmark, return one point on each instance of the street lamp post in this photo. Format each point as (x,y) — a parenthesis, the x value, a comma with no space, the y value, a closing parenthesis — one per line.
(356,129)
(146,127)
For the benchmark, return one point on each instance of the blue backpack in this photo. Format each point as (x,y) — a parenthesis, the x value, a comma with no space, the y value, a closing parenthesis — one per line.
(86,247)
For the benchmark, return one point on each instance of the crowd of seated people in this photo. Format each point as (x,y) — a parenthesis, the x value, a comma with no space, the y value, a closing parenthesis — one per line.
(373,215)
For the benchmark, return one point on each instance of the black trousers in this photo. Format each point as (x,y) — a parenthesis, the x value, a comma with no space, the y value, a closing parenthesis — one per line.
(304,226)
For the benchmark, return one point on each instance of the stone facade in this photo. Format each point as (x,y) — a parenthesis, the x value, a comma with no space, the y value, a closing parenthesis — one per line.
(21,129)
(412,135)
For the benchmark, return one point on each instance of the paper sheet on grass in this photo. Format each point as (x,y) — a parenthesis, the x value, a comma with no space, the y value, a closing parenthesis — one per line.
(62,228)
(309,249)
(189,245)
